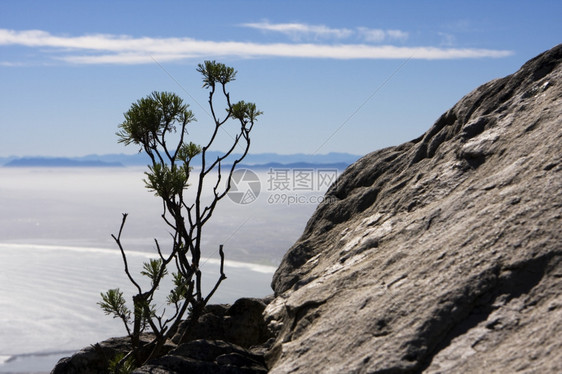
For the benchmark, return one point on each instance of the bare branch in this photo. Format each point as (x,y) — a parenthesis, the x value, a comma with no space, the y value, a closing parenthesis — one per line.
(221,278)
(118,241)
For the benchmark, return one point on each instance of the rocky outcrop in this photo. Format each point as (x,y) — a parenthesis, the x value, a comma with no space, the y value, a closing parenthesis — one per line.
(442,254)
(207,357)
(241,323)
(228,339)
(95,358)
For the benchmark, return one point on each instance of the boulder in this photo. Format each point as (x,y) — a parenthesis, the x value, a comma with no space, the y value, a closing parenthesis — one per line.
(95,358)
(207,357)
(241,323)
(219,343)
(439,255)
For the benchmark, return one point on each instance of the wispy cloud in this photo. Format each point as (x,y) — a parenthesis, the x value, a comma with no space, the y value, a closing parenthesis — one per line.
(303,31)
(379,35)
(11,64)
(447,39)
(124,49)
(300,31)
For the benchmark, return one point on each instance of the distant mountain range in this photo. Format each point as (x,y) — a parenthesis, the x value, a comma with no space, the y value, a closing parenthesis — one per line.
(58,162)
(260,160)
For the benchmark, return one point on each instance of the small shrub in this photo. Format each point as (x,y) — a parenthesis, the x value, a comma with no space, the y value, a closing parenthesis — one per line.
(158,124)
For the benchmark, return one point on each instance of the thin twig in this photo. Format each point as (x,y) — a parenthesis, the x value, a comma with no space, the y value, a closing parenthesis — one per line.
(221,278)
(118,241)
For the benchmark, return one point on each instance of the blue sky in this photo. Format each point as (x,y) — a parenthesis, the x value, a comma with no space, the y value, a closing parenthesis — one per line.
(331,76)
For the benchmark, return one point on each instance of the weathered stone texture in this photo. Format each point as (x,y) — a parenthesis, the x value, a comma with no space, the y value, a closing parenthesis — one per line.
(442,254)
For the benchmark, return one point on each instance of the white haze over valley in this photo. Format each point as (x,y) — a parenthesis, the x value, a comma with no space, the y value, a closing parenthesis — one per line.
(57,254)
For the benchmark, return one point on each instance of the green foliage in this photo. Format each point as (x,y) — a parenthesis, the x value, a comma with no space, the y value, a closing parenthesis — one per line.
(214,72)
(144,310)
(155,270)
(245,112)
(165,181)
(152,117)
(180,290)
(121,365)
(158,123)
(113,303)
(188,151)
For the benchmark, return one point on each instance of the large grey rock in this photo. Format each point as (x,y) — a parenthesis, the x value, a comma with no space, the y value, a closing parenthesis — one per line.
(442,254)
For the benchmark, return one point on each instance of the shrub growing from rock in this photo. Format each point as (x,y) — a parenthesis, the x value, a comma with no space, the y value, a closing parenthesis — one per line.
(159,124)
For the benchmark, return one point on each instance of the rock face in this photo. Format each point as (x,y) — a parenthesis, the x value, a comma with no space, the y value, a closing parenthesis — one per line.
(442,254)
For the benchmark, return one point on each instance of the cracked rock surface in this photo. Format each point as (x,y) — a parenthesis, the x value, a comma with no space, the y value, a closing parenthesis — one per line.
(439,255)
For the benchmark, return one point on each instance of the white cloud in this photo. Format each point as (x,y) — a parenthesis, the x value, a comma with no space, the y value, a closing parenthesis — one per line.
(123,49)
(300,31)
(379,35)
(11,63)
(372,35)
(397,34)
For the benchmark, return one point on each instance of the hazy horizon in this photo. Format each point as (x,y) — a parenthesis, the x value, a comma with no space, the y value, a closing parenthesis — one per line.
(127,152)
(55,227)
(83,206)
